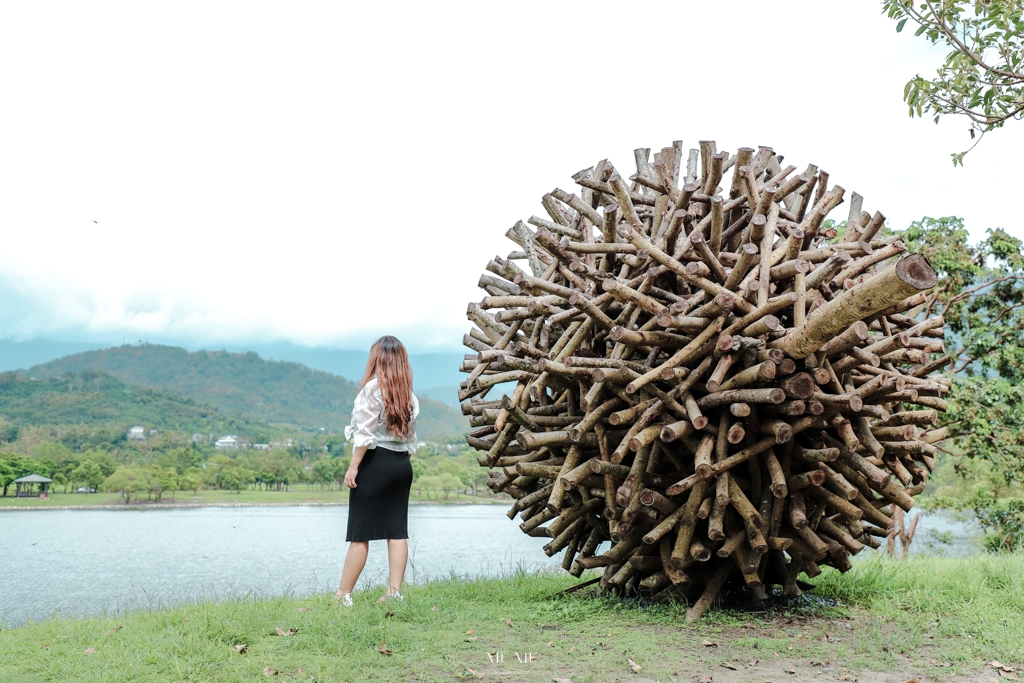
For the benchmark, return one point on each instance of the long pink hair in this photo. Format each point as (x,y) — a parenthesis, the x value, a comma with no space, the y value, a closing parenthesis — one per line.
(390,363)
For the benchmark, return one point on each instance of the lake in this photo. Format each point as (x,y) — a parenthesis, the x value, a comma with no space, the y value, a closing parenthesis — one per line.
(72,562)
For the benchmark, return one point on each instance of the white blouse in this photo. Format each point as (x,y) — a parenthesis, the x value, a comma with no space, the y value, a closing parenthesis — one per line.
(367,427)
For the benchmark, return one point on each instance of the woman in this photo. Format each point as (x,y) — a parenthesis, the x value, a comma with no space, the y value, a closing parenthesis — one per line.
(383,435)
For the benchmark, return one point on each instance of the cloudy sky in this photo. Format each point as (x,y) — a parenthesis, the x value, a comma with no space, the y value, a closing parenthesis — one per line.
(321,173)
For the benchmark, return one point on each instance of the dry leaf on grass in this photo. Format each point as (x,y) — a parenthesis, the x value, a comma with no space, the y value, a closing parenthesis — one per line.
(389,614)
(303,609)
(633,665)
(469,632)
(471,639)
(90,651)
(476,674)
(1003,668)
(706,678)
(562,680)
(289,632)
(383,649)
(730,666)
(241,648)
(1009,675)
(791,670)
(708,643)
(509,622)
(269,671)
(433,608)
(114,630)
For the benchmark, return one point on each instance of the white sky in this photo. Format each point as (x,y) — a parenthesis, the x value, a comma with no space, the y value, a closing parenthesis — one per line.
(327,172)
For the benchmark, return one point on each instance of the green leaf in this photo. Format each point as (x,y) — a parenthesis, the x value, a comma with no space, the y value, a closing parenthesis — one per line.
(899,26)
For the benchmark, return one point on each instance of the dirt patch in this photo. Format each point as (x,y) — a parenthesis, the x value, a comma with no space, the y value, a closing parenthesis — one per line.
(769,650)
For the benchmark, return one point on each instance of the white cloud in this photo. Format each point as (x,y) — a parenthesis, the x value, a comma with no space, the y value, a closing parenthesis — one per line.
(326,172)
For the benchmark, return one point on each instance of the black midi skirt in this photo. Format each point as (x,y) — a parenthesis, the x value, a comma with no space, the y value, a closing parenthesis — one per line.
(378,506)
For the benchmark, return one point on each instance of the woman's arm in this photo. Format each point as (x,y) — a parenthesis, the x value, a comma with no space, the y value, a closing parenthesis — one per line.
(353,469)
(410,440)
(365,414)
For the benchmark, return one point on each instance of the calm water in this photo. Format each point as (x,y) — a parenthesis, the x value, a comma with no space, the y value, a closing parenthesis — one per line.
(67,562)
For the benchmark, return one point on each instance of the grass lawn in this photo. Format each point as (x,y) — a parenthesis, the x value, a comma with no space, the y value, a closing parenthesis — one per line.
(927,618)
(298,495)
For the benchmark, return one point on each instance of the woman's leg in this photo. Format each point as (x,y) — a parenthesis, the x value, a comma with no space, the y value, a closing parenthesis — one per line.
(398,555)
(354,562)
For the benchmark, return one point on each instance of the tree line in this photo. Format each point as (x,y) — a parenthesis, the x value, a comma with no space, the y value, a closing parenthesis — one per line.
(152,472)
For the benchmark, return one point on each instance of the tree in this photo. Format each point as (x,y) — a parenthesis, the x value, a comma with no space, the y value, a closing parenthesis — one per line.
(981,296)
(191,481)
(428,484)
(6,474)
(57,452)
(55,460)
(323,472)
(19,466)
(982,77)
(130,480)
(449,483)
(89,474)
(419,467)
(181,459)
(164,479)
(106,462)
(235,478)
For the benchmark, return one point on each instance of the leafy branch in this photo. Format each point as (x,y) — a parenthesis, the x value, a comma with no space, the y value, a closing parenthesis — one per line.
(982,76)
(981,297)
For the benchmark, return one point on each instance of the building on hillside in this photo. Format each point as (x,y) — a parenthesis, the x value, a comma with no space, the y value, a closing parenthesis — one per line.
(137,433)
(261,446)
(229,441)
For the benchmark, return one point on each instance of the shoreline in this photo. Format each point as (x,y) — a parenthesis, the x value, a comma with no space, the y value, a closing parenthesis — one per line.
(167,506)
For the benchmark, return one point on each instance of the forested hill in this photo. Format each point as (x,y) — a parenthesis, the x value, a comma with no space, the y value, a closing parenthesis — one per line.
(97,400)
(244,384)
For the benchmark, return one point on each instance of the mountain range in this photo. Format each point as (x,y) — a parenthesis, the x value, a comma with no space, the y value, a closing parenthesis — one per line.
(241,385)
(435,375)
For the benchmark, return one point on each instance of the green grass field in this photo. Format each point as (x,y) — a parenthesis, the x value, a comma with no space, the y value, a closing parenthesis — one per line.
(298,495)
(928,618)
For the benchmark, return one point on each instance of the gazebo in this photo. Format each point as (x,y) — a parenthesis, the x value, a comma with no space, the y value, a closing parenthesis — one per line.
(27,482)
